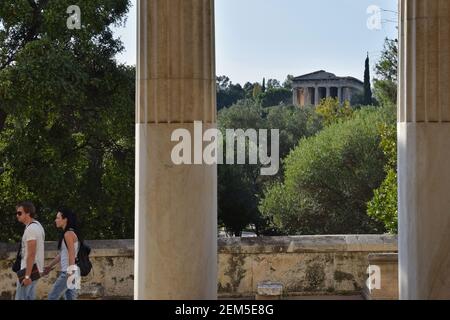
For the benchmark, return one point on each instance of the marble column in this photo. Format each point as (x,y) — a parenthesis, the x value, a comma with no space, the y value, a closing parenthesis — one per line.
(295,97)
(424,149)
(176,205)
(307,99)
(316,96)
(328,94)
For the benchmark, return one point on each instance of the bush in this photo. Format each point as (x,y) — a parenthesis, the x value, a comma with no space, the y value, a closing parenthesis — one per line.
(329,178)
(241,186)
(384,207)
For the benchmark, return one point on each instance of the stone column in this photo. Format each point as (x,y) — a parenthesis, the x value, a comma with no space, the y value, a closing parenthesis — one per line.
(176,206)
(339,90)
(316,97)
(307,99)
(295,97)
(328,94)
(424,150)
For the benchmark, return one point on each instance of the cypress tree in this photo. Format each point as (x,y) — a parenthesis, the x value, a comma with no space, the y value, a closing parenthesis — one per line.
(367,87)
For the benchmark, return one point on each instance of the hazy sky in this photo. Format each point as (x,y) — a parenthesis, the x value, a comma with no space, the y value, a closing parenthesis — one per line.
(274,38)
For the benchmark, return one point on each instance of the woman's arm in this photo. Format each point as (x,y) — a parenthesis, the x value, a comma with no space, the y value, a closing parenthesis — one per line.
(52,264)
(70,243)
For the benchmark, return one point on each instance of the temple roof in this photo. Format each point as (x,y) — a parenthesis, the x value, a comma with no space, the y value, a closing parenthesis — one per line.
(323,75)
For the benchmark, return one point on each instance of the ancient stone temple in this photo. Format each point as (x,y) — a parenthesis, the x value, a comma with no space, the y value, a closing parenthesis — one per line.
(311,88)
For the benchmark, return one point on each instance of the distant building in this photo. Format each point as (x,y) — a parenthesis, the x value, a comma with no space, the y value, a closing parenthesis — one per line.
(311,88)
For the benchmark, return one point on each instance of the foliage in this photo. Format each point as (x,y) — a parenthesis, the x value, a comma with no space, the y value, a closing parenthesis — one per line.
(367,86)
(383,207)
(241,186)
(275,96)
(68,134)
(329,178)
(228,93)
(332,111)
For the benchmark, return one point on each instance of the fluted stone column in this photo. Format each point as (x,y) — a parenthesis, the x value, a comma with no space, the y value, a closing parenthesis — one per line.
(316,96)
(339,90)
(307,97)
(176,206)
(328,94)
(295,97)
(424,149)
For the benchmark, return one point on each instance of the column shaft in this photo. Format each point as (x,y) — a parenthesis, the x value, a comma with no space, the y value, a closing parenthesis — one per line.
(176,205)
(424,150)
(317,97)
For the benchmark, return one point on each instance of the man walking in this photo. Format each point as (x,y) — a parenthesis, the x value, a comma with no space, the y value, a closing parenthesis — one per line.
(32,249)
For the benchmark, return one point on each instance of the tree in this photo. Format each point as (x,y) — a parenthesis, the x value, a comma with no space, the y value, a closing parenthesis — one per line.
(241,186)
(328,180)
(263,87)
(228,93)
(387,66)
(67,137)
(383,207)
(287,84)
(386,70)
(275,96)
(273,84)
(248,88)
(257,90)
(367,86)
(332,111)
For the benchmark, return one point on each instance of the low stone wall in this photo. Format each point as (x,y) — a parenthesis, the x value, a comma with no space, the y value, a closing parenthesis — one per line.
(306,265)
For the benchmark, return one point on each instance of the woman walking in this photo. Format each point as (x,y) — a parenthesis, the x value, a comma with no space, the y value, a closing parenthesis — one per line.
(68,247)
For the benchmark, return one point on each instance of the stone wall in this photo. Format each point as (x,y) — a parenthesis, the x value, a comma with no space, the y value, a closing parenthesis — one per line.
(307,265)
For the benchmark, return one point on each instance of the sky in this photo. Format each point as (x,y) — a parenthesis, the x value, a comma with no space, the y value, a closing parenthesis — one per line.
(270,39)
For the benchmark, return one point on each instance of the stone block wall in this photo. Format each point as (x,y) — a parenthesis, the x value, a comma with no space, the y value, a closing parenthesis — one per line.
(305,265)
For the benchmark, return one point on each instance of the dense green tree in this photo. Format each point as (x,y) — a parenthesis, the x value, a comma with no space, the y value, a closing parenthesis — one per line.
(257,91)
(383,207)
(248,88)
(332,111)
(385,84)
(241,186)
(228,93)
(273,84)
(387,67)
(287,84)
(329,178)
(275,96)
(67,133)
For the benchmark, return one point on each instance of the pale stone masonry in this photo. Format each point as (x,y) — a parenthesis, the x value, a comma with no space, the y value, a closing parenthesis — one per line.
(306,265)
(311,88)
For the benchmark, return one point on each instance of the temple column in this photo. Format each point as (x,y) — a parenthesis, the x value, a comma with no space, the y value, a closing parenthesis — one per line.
(307,97)
(176,205)
(339,90)
(316,96)
(295,97)
(424,149)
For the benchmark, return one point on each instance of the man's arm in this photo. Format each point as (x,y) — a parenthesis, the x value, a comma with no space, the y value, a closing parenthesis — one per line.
(31,255)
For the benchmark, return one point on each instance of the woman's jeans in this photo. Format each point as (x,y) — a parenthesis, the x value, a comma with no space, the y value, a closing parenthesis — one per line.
(60,289)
